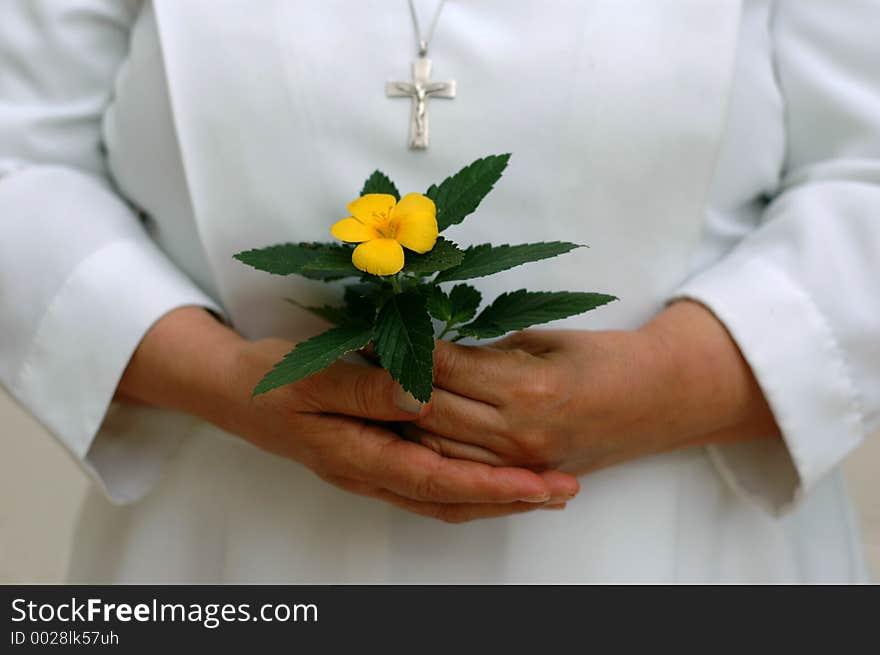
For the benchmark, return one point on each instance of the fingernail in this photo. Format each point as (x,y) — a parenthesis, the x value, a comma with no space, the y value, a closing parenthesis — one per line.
(556,506)
(541,498)
(406,402)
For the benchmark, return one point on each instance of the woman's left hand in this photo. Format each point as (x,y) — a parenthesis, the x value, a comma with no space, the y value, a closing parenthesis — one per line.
(584,400)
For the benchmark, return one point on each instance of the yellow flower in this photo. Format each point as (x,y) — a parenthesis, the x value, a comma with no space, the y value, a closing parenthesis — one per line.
(382,225)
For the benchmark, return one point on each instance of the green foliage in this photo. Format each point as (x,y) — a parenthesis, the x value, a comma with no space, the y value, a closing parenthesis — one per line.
(395,312)
(442,256)
(378,182)
(405,343)
(459,195)
(464,300)
(318,261)
(521,309)
(438,303)
(332,263)
(314,355)
(331,314)
(487,259)
(455,307)
(364,299)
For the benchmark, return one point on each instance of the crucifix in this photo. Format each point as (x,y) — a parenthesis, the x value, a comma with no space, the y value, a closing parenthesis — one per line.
(420,89)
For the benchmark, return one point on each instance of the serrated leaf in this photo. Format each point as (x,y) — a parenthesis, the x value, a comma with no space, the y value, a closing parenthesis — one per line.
(332,262)
(378,182)
(438,303)
(486,259)
(314,355)
(280,259)
(404,338)
(460,194)
(442,256)
(319,261)
(331,314)
(521,309)
(464,301)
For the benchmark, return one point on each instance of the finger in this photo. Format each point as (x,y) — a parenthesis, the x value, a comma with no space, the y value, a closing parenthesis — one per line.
(459,512)
(416,472)
(450,448)
(358,390)
(562,486)
(473,371)
(448,512)
(466,420)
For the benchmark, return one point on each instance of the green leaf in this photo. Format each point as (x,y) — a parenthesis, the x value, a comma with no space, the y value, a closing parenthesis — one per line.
(315,355)
(464,300)
(404,339)
(520,309)
(332,262)
(378,182)
(442,256)
(331,314)
(486,259)
(364,299)
(438,303)
(459,195)
(319,261)
(281,259)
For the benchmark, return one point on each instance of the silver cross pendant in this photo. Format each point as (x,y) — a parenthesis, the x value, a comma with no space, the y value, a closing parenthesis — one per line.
(420,89)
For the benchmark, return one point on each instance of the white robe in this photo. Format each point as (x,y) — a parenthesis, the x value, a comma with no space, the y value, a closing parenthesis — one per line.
(727,152)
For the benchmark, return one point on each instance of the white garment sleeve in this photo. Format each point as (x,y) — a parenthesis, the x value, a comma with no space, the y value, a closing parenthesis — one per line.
(801,294)
(80,280)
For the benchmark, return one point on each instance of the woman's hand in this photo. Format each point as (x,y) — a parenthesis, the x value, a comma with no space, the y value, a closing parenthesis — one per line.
(191,363)
(584,400)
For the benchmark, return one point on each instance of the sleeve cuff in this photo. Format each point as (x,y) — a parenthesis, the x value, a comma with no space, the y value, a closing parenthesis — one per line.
(801,370)
(130,452)
(80,350)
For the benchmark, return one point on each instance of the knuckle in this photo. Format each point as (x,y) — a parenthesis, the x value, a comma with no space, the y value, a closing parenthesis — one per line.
(540,387)
(516,341)
(433,443)
(307,392)
(540,446)
(444,361)
(364,395)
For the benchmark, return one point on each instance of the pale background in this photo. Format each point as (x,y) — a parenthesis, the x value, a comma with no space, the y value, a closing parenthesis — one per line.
(40,490)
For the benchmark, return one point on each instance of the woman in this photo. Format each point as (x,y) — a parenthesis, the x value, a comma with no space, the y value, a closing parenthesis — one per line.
(722,159)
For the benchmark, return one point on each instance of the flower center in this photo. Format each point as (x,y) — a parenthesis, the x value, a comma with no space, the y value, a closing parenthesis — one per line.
(384,225)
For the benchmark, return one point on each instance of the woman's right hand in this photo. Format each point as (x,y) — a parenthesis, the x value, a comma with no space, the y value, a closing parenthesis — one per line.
(190,362)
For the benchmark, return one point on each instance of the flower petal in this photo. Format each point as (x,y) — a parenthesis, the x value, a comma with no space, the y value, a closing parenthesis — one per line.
(352,230)
(379,257)
(369,207)
(416,217)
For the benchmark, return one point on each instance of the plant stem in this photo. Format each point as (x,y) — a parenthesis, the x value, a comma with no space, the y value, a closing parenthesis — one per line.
(395,284)
(449,326)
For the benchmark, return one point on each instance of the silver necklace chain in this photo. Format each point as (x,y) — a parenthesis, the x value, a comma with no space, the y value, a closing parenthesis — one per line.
(422,43)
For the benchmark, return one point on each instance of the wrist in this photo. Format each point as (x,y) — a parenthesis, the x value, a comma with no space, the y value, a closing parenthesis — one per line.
(182,363)
(707,389)
(230,402)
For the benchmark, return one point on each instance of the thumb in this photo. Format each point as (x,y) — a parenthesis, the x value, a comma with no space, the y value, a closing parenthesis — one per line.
(362,391)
